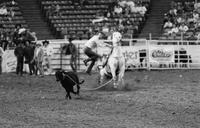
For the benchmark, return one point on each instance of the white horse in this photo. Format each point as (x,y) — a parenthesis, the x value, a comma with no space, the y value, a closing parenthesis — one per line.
(116,62)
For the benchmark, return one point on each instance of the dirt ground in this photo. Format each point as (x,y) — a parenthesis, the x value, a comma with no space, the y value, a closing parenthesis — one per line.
(152,99)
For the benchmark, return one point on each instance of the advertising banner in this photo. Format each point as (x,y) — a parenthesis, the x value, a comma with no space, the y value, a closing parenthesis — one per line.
(161,54)
(9,61)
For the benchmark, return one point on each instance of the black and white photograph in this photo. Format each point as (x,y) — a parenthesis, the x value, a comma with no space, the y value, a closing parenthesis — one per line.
(99,64)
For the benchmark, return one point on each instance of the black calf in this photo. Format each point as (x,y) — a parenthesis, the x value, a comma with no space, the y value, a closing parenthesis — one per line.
(68,80)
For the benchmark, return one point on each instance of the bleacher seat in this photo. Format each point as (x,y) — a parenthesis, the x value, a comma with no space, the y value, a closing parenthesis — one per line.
(79,19)
(186,12)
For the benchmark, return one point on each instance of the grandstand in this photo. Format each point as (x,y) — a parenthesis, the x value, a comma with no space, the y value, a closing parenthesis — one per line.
(60,19)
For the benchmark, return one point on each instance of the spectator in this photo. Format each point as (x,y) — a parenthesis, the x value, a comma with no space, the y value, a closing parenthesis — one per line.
(179,8)
(11,12)
(19,53)
(127,11)
(190,19)
(174,30)
(111,6)
(70,49)
(130,4)
(1,58)
(13,2)
(48,52)
(183,28)
(122,3)
(173,12)
(38,58)
(197,7)
(166,18)
(191,36)
(197,25)
(195,16)
(49,11)
(29,54)
(168,24)
(3,10)
(118,10)
(57,10)
(33,34)
(173,4)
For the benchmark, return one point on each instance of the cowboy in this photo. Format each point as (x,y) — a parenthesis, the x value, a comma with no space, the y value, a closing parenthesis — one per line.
(38,58)
(89,46)
(48,52)
(70,49)
(29,54)
(19,53)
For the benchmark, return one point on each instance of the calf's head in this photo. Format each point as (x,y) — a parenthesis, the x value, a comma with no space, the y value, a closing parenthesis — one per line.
(59,75)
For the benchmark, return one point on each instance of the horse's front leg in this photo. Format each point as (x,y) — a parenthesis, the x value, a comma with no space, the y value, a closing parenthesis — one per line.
(121,75)
(114,77)
(101,76)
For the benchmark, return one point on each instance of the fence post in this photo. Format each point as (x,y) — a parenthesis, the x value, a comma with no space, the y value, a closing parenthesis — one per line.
(79,66)
(178,54)
(181,36)
(188,59)
(61,56)
(148,54)
(150,36)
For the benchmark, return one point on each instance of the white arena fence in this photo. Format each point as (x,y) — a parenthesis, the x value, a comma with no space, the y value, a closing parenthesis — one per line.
(139,54)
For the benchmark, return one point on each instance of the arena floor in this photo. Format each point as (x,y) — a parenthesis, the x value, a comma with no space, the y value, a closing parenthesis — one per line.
(155,99)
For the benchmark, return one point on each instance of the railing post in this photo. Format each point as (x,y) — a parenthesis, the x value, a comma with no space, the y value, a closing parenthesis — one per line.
(148,54)
(150,36)
(178,54)
(78,57)
(188,59)
(61,56)
(181,36)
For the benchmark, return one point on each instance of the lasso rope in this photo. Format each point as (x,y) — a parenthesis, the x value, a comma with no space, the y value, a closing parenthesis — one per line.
(90,89)
(93,89)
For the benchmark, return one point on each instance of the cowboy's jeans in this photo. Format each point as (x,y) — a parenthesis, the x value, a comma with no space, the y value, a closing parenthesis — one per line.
(73,63)
(92,57)
(20,64)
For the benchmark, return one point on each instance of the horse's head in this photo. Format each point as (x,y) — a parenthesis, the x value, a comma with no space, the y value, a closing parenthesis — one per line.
(116,38)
